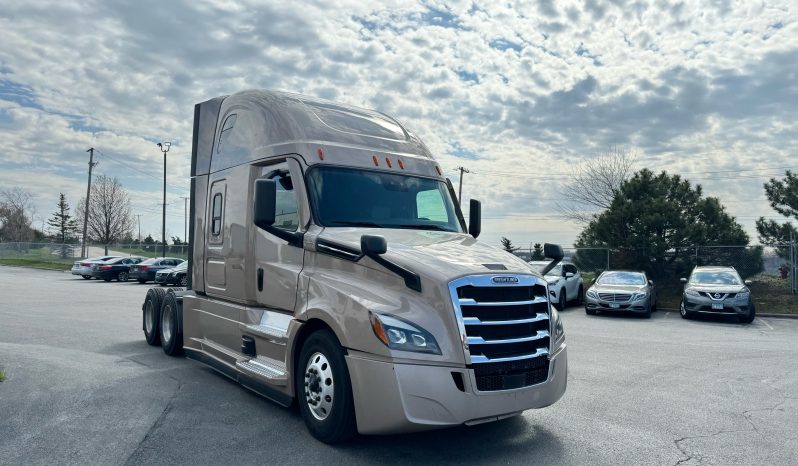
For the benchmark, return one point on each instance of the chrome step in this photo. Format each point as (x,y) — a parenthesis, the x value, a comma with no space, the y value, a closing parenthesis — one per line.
(267,368)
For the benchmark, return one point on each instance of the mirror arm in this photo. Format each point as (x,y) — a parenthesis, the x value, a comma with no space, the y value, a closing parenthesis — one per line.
(412,280)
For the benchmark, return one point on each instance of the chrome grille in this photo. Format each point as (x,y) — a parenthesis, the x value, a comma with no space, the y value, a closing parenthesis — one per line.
(501,322)
(615,297)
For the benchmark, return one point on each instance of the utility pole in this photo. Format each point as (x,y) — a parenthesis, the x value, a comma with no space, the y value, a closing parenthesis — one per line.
(460,191)
(138,216)
(84,251)
(185,220)
(164,147)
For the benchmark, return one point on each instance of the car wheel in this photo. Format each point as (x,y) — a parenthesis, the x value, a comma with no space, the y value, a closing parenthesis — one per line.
(561,302)
(86,277)
(171,337)
(748,318)
(580,296)
(184,281)
(324,390)
(151,313)
(647,312)
(122,277)
(590,312)
(683,312)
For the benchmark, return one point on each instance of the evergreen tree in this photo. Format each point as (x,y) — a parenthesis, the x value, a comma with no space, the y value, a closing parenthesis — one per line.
(507,245)
(62,223)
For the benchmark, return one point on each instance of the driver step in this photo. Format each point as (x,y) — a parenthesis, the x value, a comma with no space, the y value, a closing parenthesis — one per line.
(268,368)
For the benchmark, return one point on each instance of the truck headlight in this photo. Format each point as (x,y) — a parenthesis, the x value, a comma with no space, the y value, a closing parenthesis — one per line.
(591,293)
(401,335)
(556,330)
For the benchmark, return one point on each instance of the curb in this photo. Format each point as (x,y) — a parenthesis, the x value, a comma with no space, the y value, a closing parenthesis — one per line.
(758,314)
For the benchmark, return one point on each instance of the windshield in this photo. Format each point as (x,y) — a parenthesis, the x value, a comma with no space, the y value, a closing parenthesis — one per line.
(714,278)
(353,197)
(621,278)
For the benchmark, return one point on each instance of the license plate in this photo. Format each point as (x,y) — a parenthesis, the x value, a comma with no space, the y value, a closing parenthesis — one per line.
(717,306)
(615,305)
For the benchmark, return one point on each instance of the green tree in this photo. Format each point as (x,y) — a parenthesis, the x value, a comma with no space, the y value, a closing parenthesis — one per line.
(62,222)
(149,240)
(507,245)
(654,222)
(537,252)
(783,197)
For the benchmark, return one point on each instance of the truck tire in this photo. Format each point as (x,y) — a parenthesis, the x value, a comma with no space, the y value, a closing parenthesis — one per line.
(324,390)
(748,318)
(151,315)
(170,328)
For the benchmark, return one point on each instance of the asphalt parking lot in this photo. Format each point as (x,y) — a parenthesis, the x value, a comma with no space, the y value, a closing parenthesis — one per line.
(83,387)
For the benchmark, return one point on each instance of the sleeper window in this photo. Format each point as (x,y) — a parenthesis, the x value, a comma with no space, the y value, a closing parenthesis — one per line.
(216,216)
(227,130)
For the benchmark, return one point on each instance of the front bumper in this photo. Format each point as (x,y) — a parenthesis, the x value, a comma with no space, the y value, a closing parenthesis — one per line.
(164,279)
(703,305)
(397,398)
(596,304)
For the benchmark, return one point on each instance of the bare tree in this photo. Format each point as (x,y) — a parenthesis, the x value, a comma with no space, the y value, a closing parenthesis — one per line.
(109,211)
(16,212)
(594,183)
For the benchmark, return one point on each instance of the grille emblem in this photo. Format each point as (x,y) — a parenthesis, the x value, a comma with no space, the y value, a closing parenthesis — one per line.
(717,295)
(504,279)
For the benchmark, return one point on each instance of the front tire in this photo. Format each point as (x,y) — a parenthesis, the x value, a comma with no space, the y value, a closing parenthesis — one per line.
(151,315)
(561,302)
(747,319)
(324,389)
(647,312)
(123,276)
(683,312)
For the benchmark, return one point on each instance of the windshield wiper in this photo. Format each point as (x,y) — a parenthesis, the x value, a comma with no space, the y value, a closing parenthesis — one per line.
(422,226)
(344,223)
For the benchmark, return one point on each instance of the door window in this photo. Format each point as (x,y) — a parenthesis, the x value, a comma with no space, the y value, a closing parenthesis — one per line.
(286,214)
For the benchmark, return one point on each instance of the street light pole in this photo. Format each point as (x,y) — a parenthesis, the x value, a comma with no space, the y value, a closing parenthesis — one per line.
(164,147)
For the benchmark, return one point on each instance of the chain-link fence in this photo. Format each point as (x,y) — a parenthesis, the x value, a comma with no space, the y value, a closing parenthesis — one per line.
(57,255)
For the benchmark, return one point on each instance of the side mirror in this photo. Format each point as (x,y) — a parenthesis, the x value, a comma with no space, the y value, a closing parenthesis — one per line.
(651,283)
(593,280)
(265,203)
(683,280)
(553,251)
(569,274)
(475,218)
(373,245)
(749,282)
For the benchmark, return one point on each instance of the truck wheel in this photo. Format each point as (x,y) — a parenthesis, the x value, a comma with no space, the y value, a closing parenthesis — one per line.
(748,318)
(324,390)
(151,311)
(171,337)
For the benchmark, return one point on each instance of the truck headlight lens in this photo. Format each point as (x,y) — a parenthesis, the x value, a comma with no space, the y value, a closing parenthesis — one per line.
(591,293)
(557,330)
(401,335)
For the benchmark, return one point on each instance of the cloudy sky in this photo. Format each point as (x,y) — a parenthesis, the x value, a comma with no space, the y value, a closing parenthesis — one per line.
(518,92)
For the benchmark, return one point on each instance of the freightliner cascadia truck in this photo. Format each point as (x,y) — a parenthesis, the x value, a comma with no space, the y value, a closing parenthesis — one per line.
(331,267)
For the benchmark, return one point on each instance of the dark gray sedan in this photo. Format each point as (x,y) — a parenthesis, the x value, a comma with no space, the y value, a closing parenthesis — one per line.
(618,290)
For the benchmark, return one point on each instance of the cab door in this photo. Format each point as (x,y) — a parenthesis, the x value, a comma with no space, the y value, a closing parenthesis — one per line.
(277,263)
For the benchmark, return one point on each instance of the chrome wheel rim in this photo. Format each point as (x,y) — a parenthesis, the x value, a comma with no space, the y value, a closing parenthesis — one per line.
(148,325)
(319,386)
(123,276)
(166,324)
(184,281)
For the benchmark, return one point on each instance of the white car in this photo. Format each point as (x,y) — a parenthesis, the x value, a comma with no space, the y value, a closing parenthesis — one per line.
(83,267)
(565,283)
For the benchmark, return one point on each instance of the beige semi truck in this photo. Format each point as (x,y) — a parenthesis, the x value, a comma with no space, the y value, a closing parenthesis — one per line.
(331,266)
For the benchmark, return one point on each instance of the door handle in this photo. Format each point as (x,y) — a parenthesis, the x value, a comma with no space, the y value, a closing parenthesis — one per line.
(260,279)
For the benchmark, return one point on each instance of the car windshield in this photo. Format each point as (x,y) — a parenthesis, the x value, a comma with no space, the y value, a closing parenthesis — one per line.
(353,197)
(183,265)
(714,278)
(621,278)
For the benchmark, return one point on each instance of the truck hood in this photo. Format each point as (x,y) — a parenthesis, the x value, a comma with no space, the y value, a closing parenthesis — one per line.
(438,255)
